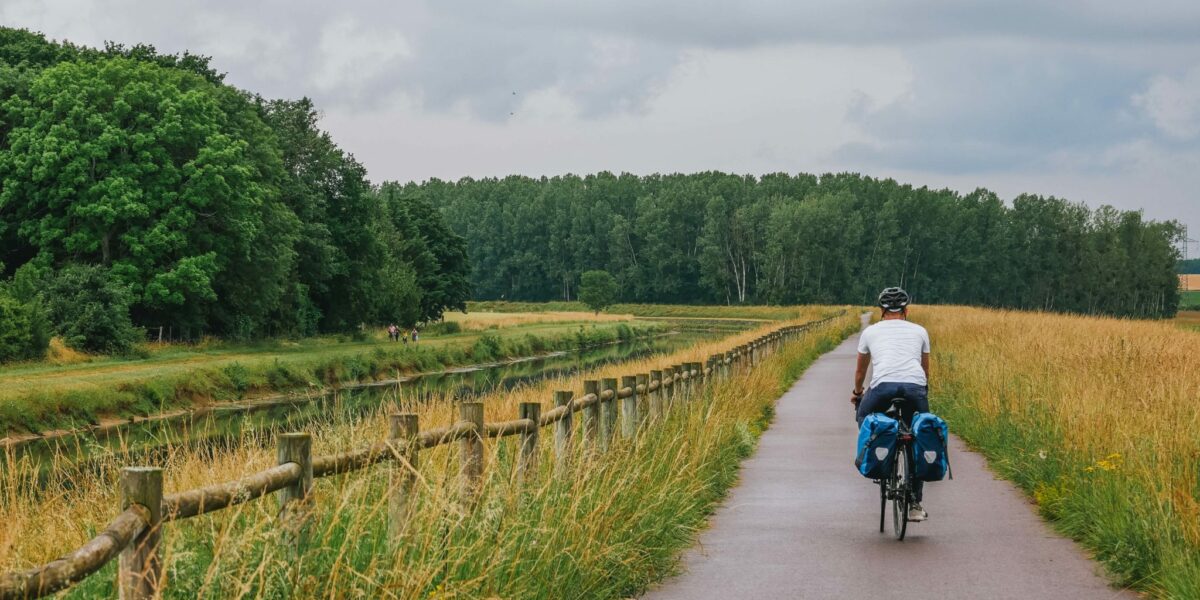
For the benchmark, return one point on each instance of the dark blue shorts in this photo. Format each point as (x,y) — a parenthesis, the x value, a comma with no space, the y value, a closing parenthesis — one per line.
(879,399)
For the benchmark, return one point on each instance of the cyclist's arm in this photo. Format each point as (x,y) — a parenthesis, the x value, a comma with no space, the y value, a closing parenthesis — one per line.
(860,373)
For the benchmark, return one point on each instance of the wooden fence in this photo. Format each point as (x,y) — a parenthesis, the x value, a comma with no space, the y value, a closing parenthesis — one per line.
(135,534)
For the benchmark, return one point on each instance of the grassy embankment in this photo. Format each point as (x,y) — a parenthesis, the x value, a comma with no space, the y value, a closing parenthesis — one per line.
(682,311)
(39,396)
(1095,418)
(613,525)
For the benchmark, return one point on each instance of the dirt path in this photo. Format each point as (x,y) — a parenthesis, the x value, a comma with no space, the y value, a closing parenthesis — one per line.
(803,524)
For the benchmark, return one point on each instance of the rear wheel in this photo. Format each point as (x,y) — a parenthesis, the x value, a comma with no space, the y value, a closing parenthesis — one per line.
(900,499)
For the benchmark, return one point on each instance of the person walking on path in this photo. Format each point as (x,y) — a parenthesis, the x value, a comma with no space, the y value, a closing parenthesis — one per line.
(393,331)
(897,352)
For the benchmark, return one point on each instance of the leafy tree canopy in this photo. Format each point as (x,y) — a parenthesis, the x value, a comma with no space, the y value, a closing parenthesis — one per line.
(598,290)
(217,211)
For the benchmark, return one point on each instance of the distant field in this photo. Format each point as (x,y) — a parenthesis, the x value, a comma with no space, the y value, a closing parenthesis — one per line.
(1190,298)
(1188,319)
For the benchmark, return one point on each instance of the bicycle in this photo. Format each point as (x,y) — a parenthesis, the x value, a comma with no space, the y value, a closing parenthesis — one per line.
(897,487)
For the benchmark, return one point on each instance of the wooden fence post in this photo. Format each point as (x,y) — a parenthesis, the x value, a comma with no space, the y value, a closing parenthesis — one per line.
(591,416)
(403,429)
(140,569)
(293,499)
(527,466)
(681,390)
(562,432)
(643,405)
(656,398)
(295,448)
(629,408)
(608,414)
(471,447)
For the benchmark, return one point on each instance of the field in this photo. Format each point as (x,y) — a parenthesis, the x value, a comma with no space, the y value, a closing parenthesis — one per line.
(1189,300)
(1095,418)
(679,311)
(1188,319)
(614,524)
(56,393)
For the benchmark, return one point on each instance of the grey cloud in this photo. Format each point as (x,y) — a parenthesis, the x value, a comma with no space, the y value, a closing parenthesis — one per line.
(1004,107)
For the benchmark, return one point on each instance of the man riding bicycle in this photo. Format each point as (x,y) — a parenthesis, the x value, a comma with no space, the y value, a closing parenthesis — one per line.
(898,353)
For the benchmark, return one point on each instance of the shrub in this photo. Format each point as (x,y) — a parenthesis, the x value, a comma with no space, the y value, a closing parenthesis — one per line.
(444,328)
(24,332)
(90,310)
(487,347)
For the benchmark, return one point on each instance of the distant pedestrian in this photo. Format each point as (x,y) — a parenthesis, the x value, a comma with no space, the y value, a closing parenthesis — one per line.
(393,332)
(414,335)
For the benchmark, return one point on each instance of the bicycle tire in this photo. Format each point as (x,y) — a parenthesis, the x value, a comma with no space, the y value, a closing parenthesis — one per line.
(900,502)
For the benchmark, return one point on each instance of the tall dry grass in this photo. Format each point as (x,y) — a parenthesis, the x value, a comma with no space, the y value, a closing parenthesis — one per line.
(1098,419)
(613,524)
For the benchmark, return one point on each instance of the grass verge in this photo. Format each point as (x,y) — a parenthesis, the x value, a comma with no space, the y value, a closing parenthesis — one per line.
(1096,419)
(769,313)
(39,405)
(607,528)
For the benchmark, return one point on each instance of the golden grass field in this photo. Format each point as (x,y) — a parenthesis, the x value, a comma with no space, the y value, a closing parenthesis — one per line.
(607,530)
(1097,418)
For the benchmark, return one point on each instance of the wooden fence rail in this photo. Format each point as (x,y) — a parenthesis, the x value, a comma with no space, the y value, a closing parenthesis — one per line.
(135,534)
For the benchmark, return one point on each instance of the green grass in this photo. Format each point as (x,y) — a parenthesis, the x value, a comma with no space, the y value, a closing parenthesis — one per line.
(771,313)
(39,396)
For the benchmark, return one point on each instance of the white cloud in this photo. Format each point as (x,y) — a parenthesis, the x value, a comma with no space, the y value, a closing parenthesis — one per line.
(1174,104)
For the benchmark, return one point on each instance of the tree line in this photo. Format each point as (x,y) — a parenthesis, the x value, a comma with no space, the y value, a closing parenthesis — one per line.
(722,238)
(176,199)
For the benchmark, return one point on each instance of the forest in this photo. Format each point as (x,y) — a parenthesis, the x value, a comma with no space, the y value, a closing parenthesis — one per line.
(137,189)
(784,239)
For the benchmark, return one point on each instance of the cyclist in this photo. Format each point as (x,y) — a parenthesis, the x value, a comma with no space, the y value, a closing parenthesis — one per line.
(898,353)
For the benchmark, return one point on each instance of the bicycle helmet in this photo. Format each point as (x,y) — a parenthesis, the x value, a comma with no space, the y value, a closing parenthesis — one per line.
(893,299)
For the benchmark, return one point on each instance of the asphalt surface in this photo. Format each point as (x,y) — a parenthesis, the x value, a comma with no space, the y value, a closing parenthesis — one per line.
(802,523)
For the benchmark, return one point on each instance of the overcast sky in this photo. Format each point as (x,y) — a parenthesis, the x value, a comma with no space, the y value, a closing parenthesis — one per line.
(1096,101)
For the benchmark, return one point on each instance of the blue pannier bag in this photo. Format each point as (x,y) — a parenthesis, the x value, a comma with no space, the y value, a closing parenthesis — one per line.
(876,445)
(931,460)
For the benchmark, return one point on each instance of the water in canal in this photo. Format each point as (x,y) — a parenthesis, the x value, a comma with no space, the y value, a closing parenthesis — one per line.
(226,425)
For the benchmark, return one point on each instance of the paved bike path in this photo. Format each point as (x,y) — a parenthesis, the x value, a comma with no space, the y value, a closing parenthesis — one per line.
(803,524)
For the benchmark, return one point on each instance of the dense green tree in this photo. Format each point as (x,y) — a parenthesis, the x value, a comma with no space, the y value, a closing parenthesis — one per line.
(139,168)
(89,309)
(219,211)
(598,290)
(716,237)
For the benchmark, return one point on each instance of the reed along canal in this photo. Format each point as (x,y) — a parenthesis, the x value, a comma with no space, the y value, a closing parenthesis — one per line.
(227,425)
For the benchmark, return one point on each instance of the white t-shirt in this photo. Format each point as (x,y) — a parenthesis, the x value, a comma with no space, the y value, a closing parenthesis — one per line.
(895,346)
